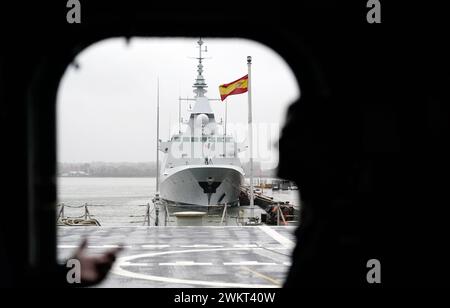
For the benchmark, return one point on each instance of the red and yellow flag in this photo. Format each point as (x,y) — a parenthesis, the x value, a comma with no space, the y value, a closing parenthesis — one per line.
(236,87)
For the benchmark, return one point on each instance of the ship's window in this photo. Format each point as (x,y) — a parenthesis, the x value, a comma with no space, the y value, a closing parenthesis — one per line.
(211,139)
(204,139)
(220,139)
(194,139)
(186,139)
(229,139)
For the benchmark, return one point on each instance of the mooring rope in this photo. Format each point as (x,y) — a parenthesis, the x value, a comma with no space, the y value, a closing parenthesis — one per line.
(86,218)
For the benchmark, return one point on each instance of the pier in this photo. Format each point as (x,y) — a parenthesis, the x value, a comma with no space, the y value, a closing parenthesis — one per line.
(276,212)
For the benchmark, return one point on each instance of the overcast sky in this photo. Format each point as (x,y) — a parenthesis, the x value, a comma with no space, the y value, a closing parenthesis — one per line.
(107,107)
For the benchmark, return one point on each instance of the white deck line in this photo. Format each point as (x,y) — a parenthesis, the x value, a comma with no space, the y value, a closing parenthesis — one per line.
(201,246)
(185,263)
(277,237)
(249,263)
(154,246)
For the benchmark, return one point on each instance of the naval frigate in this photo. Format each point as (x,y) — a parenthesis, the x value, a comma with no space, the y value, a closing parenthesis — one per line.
(201,166)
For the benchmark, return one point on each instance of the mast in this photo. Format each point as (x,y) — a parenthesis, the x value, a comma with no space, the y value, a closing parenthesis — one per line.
(157,138)
(200,83)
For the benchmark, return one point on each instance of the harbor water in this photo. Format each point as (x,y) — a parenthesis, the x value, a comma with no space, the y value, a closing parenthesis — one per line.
(122,201)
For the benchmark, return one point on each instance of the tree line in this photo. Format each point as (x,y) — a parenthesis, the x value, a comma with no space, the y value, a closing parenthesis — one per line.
(133,169)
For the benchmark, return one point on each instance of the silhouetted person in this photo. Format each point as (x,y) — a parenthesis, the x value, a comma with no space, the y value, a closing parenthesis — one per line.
(367,145)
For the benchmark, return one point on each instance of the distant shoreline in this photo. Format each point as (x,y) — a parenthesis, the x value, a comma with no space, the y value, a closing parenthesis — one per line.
(140,177)
(100,177)
(134,170)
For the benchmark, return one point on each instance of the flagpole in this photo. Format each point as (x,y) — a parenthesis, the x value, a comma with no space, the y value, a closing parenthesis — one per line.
(225,130)
(226,113)
(250,132)
(179,115)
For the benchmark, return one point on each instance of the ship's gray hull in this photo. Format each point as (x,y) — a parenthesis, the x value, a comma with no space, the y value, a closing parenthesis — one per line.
(202,186)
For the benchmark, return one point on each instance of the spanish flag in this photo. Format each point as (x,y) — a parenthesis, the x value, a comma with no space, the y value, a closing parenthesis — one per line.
(236,87)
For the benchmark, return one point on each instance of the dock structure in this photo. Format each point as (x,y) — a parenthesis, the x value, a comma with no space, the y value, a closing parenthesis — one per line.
(278,212)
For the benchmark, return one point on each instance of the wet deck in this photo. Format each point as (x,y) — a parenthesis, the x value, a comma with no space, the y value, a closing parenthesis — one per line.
(177,257)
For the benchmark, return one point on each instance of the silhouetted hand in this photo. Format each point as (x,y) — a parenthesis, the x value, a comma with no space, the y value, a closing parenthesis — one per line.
(94,268)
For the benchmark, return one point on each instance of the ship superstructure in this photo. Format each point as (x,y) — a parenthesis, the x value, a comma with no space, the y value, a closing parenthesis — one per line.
(201,165)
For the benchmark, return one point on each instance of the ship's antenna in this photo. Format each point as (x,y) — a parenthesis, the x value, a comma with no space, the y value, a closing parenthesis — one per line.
(157,138)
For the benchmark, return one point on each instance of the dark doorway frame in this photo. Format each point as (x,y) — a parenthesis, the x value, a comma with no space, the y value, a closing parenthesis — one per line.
(51,63)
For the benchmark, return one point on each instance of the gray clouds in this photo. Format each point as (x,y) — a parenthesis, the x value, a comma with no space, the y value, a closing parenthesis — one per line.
(107,107)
